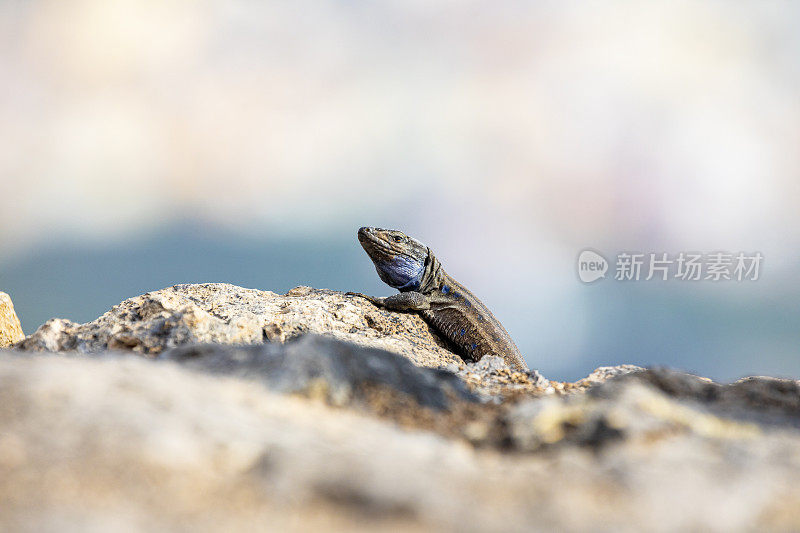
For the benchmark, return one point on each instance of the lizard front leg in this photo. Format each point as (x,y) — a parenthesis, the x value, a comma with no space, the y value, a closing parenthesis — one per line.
(405,301)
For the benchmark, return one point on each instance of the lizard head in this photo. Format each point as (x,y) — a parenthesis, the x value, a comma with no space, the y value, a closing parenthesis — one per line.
(399,259)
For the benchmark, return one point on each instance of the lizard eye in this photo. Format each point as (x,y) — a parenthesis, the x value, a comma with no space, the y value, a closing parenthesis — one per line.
(397,238)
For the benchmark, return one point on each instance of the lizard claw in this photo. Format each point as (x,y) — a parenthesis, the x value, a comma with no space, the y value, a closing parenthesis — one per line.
(370,299)
(358,294)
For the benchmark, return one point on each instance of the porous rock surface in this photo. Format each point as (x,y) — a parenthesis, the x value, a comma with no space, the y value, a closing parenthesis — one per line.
(340,370)
(311,432)
(227,314)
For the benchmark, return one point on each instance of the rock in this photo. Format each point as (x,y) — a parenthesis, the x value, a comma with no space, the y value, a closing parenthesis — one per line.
(763,400)
(495,380)
(655,404)
(344,374)
(126,443)
(10,328)
(341,373)
(200,440)
(604,373)
(631,412)
(226,314)
(242,414)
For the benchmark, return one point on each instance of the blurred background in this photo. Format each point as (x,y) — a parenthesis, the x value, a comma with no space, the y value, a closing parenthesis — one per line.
(147,143)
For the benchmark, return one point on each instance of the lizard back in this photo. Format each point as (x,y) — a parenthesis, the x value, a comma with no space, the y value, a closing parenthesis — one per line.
(465,321)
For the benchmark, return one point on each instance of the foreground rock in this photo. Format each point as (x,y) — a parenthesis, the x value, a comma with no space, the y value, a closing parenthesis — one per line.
(10,328)
(338,372)
(343,374)
(212,407)
(659,405)
(202,441)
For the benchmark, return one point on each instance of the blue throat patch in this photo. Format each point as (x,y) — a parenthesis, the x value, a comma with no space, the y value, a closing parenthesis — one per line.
(411,285)
(402,273)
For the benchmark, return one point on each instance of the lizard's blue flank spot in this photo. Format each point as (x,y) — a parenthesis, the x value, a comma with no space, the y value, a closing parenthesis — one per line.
(445,289)
(466,302)
(462,332)
(474,345)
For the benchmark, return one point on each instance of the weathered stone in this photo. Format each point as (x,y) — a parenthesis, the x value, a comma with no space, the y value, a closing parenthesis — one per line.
(10,328)
(654,404)
(631,412)
(236,434)
(604,373)
(198,442)
(226,314)
(494,379)
(763,400)
(123,443)
(341,373)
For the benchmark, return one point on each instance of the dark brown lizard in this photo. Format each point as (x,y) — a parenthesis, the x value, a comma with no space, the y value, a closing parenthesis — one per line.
(409,266)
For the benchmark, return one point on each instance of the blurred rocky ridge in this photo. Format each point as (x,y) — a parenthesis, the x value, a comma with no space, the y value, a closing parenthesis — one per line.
(312,409)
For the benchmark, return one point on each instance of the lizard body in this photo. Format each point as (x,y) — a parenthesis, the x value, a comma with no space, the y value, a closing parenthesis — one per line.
(450,308)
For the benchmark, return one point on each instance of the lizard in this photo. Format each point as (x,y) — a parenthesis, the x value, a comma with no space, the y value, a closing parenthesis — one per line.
(450,308)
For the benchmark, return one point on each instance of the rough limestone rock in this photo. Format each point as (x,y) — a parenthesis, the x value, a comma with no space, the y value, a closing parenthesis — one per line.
(10,328)
(657,404)
(341,373)
(604,373)
(227,314)
(762,400)
(199,440)
(344,374)
(242,414)
(495,380)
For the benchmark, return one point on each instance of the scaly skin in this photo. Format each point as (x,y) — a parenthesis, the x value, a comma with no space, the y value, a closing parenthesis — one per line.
(409,266)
